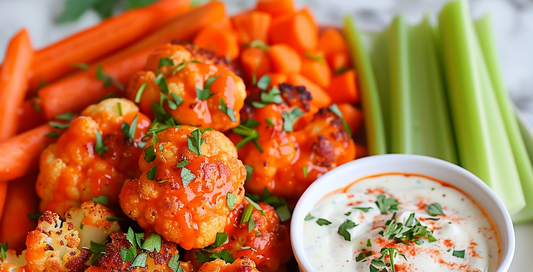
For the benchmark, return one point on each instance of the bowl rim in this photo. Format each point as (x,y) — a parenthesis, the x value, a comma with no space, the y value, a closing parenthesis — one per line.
(296,235)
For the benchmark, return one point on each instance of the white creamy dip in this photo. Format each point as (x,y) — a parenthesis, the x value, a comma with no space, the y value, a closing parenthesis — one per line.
(464,229)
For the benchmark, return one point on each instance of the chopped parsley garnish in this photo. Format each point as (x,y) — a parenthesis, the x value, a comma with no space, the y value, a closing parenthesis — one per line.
(364,209)
(249,171)
(272,97)
(186,176)
(174,263)
(290,117)
(368,243)
(333,108)
(101,75)
(64,116)
(113,219)
(459,253)
(99,147)
(97,250)
(140,92)
(323,222)
(227,110)
(162,83)
(309,217)
(314,57)
(263,82)
(251,123)
(34,216)
(278,203)
(363,255)
(140,260)
(230,200)
(412,231)
(269,122)
(247,217)
(3,248)
(161,115)
(165,61)
(344,227)
(129,131)
(59,125)
(205,93)
(224,255)
(127,255)
(195,142)
(387,204)
(305,171)
(182,163)
(259,44)
(52,134)
(152,173)
(182,65)
(348,213)
(152,243)
(220,239)
(249,135)
(101,199)
(149,154)
(119,106)
(434,209)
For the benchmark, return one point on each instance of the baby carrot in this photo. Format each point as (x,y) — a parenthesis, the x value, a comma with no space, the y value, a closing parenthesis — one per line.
(298,30)
(251,26)
(284,59)
(220,40)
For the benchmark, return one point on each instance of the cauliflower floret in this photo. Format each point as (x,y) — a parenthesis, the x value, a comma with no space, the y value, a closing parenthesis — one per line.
(92,222)
(182,195)
(112,258)
(12,262)
(299,145)
(242,264)
(93,157)
(200,92)
(53,246)
(267,244)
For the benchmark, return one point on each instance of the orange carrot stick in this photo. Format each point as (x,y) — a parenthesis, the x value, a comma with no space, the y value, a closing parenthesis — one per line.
(220,40)
(76,92)
(352,115)
(276,7)
(343,88)
(298,30)
(284,59)
(334,46)
(320,98)
(110,35)
(251,26)
(28,116)
(315,68)
(21,200)
(254,61)
(14,82)
(21,153)
(183,28)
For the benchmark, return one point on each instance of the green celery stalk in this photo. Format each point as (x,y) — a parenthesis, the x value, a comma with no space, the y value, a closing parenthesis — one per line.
(431,129)
(368,90)
(483,145)
(401,118)
(518,147)
(380,57)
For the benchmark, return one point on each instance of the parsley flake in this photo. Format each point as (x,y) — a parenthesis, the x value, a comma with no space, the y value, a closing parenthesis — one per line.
(434,209)
(64,116)
(364,209)
(459,253)
(140,260)
(309,217)
(227,110)
(140,92)
(101,199)
(59,125)
(249,171)
(113,219)
(387,205)
(129,131)
(152,243)
(263,82)
(248,135)
(165,61)
(344,227)
(97,250)
(186,176)
(162,83)
(127,255)
(152,173)
(290,117)
(230,200)
(182,163)
(205,93)
(174,263)
(323,222)
(195,142)
(99,147)
(3,248)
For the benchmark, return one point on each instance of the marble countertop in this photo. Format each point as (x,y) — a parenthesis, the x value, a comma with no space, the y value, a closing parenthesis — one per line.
(512,23)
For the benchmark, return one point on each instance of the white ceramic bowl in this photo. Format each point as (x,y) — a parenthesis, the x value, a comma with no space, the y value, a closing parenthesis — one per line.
(342,176)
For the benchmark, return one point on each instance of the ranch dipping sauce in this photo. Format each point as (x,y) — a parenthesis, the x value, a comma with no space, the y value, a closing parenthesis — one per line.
(423,224)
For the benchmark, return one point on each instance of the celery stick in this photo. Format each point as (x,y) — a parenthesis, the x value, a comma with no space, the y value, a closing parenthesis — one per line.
(523,162)
(401,117)
(431,128)
(368,90)
(381,62)
(483,145)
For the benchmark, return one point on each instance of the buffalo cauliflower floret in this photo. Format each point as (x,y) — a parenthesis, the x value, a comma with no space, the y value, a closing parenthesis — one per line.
(267,244)
(242,264)
(187,176)
(93,157)
(92,222)
(53,246)
(12,262)
(184,84)
(296,143)
(114,257)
